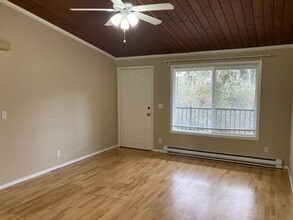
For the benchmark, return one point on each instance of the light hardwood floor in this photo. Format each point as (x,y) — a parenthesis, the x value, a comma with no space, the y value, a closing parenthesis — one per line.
(133,184)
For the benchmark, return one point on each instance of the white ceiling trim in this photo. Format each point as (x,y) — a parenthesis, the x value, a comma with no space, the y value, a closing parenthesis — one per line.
(210,52)
(31,15)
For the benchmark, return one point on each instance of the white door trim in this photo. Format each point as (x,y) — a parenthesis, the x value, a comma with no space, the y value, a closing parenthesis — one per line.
(118,99)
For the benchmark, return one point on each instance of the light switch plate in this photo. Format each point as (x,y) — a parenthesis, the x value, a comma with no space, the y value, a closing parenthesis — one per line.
(4,114)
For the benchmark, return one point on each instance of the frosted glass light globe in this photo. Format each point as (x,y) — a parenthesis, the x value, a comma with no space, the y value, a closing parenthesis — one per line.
(116,19)
(132,19)
(124,24)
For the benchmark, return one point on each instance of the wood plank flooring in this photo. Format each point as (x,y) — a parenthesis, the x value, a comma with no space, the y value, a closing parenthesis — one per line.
(133,184)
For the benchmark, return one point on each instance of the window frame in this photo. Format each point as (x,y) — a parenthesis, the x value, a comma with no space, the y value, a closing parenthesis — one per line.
(257,63)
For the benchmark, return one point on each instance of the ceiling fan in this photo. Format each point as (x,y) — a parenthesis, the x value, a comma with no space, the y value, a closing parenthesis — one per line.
(129,15)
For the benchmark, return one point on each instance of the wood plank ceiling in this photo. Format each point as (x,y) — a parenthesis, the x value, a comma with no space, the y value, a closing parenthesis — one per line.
(194,25)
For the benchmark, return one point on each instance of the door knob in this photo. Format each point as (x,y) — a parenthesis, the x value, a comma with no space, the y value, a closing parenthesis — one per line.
(148,114)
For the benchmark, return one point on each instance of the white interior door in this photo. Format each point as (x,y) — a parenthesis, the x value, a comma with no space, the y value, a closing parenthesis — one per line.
(136,107)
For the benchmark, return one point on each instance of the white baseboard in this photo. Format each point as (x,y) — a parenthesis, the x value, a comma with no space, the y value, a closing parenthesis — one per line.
(54,168)
(159,151)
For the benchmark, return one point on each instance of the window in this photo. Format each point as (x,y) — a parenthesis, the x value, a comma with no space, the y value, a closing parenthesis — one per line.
(220,99)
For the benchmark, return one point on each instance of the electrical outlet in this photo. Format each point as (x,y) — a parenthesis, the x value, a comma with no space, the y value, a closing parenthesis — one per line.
(58,153)
(266,149)
(160,140)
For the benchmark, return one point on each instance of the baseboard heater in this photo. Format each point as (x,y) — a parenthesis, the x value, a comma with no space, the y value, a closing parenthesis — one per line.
(277,163)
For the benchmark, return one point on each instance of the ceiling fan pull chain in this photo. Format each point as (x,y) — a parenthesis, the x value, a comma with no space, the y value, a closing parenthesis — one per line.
(124,40)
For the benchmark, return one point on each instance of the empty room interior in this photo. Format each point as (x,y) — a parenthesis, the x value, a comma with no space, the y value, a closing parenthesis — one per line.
(146,109)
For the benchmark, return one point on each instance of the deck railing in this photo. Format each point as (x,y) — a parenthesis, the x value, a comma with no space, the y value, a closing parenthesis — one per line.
(224,120)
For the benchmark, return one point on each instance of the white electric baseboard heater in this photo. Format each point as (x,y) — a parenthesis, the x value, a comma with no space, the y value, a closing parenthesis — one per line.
(277,163)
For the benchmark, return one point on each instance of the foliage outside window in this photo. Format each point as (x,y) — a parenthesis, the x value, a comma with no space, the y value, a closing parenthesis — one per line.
(219,99)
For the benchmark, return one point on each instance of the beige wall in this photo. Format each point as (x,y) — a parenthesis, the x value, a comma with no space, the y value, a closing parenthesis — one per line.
(58,94)
(274,116)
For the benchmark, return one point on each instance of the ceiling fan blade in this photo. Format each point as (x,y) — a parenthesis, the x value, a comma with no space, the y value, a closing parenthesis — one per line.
(117,2)
(154,7)
(109,23)
(148,18)
(93,9)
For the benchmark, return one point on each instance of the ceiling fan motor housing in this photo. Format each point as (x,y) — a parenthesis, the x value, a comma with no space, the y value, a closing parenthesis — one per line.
(123,7)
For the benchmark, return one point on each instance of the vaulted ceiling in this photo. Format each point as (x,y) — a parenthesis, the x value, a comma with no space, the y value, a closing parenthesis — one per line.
(194,25)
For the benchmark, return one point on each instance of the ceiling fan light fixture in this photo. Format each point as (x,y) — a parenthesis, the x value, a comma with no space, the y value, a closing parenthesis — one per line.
(132,19)
(124,24)
(116,19)
(128,15)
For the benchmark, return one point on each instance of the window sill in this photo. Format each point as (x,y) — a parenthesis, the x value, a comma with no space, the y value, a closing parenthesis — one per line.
(215,135)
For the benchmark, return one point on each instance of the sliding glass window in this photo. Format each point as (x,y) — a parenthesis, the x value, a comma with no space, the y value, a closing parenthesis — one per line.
(220,99)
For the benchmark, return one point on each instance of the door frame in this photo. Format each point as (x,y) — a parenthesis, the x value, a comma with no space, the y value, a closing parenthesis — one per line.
(152,101)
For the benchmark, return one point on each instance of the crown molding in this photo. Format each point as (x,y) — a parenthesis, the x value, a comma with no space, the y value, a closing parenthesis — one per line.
(54,27)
